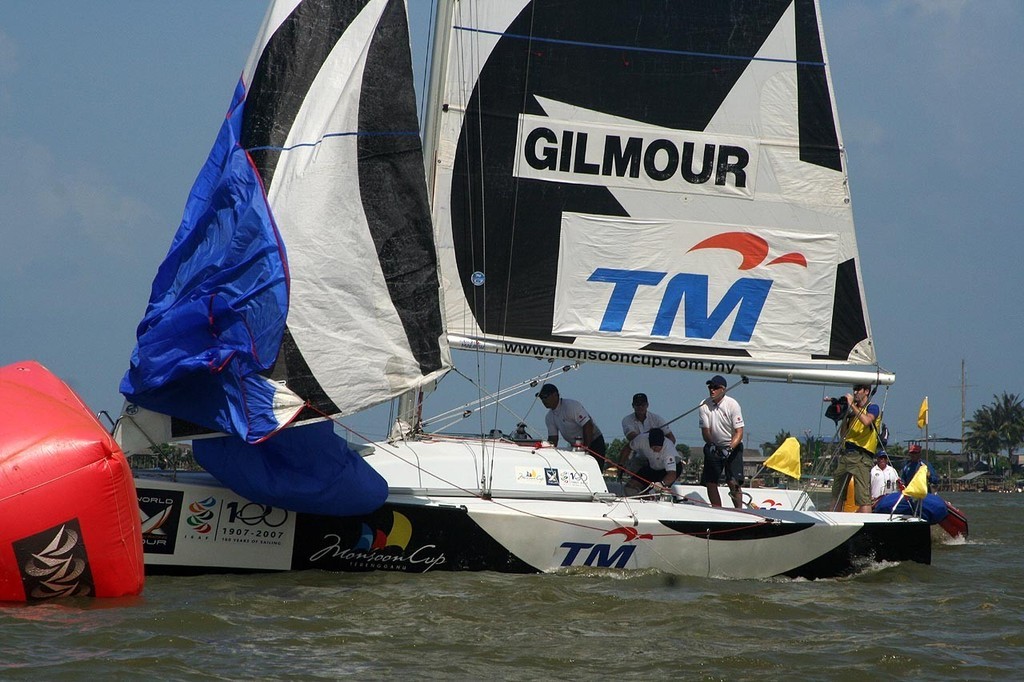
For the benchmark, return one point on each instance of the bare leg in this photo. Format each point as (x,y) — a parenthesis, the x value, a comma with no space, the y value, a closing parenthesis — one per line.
(736,493)
(713,496)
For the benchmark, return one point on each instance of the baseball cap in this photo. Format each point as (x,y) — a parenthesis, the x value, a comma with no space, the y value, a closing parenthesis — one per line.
(640,399)
(717,380)
(546,390)
(881,454)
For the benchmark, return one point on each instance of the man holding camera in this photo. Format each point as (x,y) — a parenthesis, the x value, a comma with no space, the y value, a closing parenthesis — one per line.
(860,442)
(721,425)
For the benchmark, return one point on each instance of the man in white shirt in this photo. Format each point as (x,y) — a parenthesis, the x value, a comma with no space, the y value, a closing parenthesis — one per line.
(571,420)
(721,425)
(659,462)
(641,420)
(883,477)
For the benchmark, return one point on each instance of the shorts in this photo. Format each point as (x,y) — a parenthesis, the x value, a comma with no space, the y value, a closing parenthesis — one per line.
(857,463)
(656,475)
(715,466)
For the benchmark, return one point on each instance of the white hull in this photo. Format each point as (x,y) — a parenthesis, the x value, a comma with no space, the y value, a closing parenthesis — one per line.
(546,510)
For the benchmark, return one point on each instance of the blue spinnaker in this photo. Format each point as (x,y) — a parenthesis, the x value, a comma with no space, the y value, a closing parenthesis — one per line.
(217,310)
(305,469)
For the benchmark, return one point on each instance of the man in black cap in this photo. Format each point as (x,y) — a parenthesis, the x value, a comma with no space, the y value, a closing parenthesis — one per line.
(659,463)
(721,425)
(571,420)
(641,420)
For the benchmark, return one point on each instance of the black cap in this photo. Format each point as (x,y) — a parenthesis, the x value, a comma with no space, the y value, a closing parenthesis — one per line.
(546,390)
(717,380)
(656,437)
(640,399)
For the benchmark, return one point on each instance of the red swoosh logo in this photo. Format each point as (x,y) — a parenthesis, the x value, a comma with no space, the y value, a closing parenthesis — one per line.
(752,248)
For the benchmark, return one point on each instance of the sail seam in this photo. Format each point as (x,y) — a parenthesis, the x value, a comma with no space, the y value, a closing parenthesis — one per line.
(356,133)
(637,48)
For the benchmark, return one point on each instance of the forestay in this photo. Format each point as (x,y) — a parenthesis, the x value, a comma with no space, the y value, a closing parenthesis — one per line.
(618,189)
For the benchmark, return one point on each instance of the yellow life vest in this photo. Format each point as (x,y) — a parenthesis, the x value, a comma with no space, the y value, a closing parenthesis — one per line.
(862,436)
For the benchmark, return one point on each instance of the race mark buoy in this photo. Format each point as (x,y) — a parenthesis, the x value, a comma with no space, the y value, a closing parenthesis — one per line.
(69,516)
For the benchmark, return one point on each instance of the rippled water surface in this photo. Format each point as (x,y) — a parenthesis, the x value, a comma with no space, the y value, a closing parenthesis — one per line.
(960,618)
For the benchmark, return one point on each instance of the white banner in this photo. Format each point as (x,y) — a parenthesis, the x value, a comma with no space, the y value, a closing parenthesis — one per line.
(767,291)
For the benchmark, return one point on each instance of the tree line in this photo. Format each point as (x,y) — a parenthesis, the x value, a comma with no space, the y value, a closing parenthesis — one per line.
(996,428)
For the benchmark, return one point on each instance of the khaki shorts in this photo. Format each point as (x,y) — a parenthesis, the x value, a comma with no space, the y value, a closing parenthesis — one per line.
(858,464)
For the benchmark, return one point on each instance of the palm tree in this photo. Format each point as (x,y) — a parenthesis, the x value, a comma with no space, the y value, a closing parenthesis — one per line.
(997,427)
(768,447)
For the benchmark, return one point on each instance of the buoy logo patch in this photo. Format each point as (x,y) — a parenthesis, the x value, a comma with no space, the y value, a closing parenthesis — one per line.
(54,563)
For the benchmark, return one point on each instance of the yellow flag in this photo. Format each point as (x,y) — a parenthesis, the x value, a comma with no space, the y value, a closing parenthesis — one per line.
(786,459)
(922,414)
(918,486)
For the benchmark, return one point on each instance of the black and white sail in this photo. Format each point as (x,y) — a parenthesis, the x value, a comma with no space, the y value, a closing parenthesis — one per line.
(648,183)
(304,272)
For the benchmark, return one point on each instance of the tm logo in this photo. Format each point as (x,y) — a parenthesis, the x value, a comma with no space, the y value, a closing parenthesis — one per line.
(746,296)
(601,555)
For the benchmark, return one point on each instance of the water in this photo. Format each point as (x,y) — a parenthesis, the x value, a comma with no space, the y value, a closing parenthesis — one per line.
(960,618)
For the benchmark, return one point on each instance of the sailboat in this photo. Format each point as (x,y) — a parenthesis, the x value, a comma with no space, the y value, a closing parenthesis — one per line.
(646,184)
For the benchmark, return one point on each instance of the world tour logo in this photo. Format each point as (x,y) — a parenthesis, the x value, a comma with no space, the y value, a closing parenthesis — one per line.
(54,563)
(160,511)
(382,550)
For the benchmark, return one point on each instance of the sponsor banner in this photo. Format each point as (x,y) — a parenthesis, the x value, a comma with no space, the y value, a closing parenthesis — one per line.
(633,156)
(387,540)
(767,291)
(195,525)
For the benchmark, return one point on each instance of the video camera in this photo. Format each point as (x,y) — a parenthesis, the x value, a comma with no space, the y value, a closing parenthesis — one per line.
(837,408)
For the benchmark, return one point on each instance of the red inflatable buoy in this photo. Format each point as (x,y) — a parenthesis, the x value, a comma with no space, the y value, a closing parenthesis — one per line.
(69,517)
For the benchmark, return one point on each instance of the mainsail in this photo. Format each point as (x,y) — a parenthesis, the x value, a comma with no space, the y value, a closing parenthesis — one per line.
(304,273)
(648,183)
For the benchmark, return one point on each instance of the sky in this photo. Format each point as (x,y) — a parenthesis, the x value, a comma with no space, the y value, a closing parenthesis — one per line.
(108,110)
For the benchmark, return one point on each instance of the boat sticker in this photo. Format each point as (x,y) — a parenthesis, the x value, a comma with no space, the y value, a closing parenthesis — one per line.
(381,549)
(573,479)
(530,475)
(160,511)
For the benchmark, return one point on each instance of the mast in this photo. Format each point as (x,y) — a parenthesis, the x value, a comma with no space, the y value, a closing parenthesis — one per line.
(963,402)
(410,403)
(437,52)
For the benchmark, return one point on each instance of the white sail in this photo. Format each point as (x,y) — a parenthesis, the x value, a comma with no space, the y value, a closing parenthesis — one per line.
(623,190)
